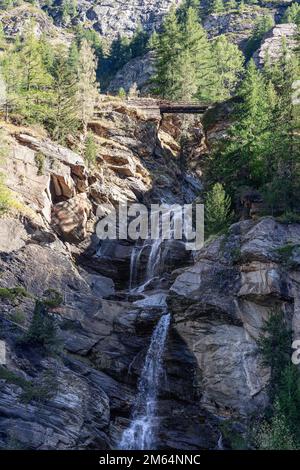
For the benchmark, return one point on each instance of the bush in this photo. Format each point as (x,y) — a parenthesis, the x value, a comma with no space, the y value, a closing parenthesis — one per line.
(40,163)
(122,93)
(42,391)
(276,434)
(90,152)
(42,330)
(12,293)
(52,298)
(5,196)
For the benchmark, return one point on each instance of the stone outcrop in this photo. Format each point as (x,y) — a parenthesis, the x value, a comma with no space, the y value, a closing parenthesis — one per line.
(236,25)
(220,304)
(137,71)
(274,42)
(119,17)
(17,20)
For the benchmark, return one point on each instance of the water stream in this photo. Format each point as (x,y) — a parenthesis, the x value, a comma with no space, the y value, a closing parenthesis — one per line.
(141,433)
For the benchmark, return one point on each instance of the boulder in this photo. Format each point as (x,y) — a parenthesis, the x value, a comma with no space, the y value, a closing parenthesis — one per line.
(70,218)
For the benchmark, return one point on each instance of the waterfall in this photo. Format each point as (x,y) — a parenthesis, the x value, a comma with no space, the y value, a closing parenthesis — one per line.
(156,256)
(141,434)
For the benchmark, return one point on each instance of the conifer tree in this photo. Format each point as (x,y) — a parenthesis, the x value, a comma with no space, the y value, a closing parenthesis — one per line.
(63,119)
(35,79)
(283,190)
(292,14)
(229,62)
(218,6)
(87,85)
(12,76)
(231,5)
(199,58)
(244,157)
(168,49)
(217,210)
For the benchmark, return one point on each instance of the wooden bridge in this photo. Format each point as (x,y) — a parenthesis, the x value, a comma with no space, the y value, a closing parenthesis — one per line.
(154,107)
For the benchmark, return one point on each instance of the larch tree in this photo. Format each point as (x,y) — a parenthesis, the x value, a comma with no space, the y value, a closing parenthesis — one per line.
(64,118)
(229,62)
(35,79)
(167,48)
(199,60)
(87,85)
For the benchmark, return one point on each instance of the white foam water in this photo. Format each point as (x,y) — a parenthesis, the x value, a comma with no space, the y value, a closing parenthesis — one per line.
(141,433)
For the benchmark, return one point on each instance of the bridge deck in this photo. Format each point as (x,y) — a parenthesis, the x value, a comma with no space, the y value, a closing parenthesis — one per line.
(150,105)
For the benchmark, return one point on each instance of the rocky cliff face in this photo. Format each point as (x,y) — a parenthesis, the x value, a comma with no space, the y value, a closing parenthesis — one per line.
(117,17)
(79,393)
(17,20)
(274,42)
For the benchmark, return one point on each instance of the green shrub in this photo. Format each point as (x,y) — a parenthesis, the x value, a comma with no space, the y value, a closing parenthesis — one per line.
(285,254)
(122,93)
(40,163)
(42,391)
(12,293)
(18,317)
(5,196)
(289,217)
(90,152)
(52,298)
(42,330)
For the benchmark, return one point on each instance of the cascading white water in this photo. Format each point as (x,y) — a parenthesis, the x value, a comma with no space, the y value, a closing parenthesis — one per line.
(156,256)
(141,434)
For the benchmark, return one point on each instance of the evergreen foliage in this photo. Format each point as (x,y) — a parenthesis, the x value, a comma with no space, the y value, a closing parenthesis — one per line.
(280,428)
(217,210)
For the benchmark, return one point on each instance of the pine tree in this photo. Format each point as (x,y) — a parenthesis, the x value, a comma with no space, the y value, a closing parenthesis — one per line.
(217,210)
(262,25)
(283,191)
(231,5)
(200,59)
(168,48)
(73,58)
(218,6)
(12,76)
(244,156)
(35,79)
(87,85)
(229,67)
(185,67)
(292,14)
(90,151)
(63,119)
(139,42)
